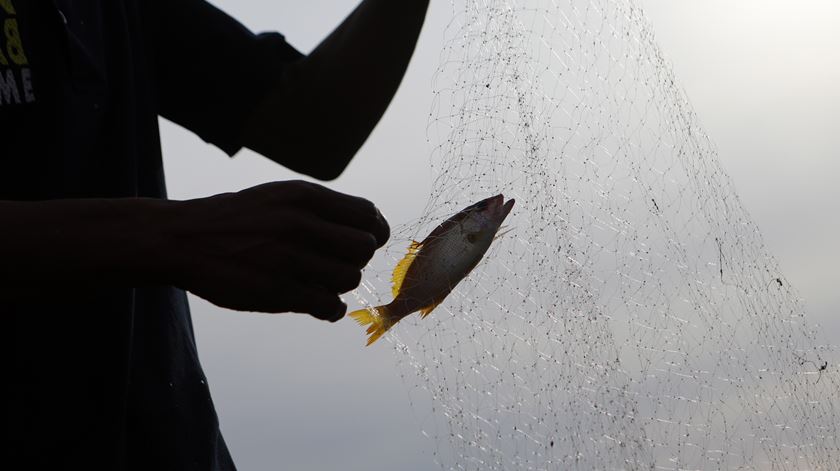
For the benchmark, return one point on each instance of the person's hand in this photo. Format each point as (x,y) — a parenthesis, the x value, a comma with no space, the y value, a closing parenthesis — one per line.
(286,246)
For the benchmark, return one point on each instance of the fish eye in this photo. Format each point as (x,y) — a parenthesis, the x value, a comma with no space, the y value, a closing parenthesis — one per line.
(471,238)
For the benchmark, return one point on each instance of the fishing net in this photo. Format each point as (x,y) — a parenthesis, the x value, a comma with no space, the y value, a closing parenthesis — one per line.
(633,318)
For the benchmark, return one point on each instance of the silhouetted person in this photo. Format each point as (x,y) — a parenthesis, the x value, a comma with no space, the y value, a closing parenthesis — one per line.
(94,260)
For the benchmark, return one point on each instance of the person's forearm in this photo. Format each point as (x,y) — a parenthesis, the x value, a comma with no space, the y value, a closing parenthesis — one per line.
(79,242)
(328,102)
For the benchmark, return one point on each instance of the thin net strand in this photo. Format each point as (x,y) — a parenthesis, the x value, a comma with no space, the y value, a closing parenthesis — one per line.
(633,318)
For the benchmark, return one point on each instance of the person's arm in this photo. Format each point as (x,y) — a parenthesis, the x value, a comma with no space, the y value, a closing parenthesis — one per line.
(288,246)
(325,105)
(309,113)
(79,242)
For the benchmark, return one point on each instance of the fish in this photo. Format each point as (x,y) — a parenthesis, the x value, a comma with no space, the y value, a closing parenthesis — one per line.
(431,269)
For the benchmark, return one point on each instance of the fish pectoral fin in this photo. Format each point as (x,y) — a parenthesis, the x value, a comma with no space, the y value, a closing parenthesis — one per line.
(402,267)
(428,310)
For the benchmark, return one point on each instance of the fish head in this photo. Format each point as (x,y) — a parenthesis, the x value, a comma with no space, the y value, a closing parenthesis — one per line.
(482,220)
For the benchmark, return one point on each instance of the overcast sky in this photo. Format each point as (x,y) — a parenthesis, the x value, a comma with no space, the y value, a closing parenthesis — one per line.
(295,393)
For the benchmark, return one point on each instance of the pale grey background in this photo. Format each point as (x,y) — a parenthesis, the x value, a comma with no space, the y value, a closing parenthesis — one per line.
(295,393)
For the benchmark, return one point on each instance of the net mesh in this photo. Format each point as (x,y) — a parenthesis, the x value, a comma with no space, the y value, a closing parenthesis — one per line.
(633,318)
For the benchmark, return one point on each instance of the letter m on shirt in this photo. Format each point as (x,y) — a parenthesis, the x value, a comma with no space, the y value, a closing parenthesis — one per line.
(8,87)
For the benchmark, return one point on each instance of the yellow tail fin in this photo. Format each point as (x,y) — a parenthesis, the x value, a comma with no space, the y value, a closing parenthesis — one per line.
(375,319)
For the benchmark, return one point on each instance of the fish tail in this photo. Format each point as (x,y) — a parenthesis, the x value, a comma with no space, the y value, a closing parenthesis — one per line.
(376,319)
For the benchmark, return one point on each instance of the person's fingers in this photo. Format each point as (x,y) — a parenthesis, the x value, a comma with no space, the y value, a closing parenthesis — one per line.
(347,243)
(314,300)
(362,215)
(342,208)
(338,276)
(256,290)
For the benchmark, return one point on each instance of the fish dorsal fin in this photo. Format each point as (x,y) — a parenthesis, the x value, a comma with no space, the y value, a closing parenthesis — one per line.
(402,268)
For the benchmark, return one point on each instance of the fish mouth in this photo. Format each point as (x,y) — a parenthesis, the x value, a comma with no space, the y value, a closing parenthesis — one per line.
(498,207)
(494,206)
(507,207)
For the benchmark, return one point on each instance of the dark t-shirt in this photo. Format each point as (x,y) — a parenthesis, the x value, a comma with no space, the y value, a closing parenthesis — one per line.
(110,378)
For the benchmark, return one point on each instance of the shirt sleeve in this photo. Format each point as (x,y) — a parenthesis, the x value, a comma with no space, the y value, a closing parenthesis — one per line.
(211,71)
